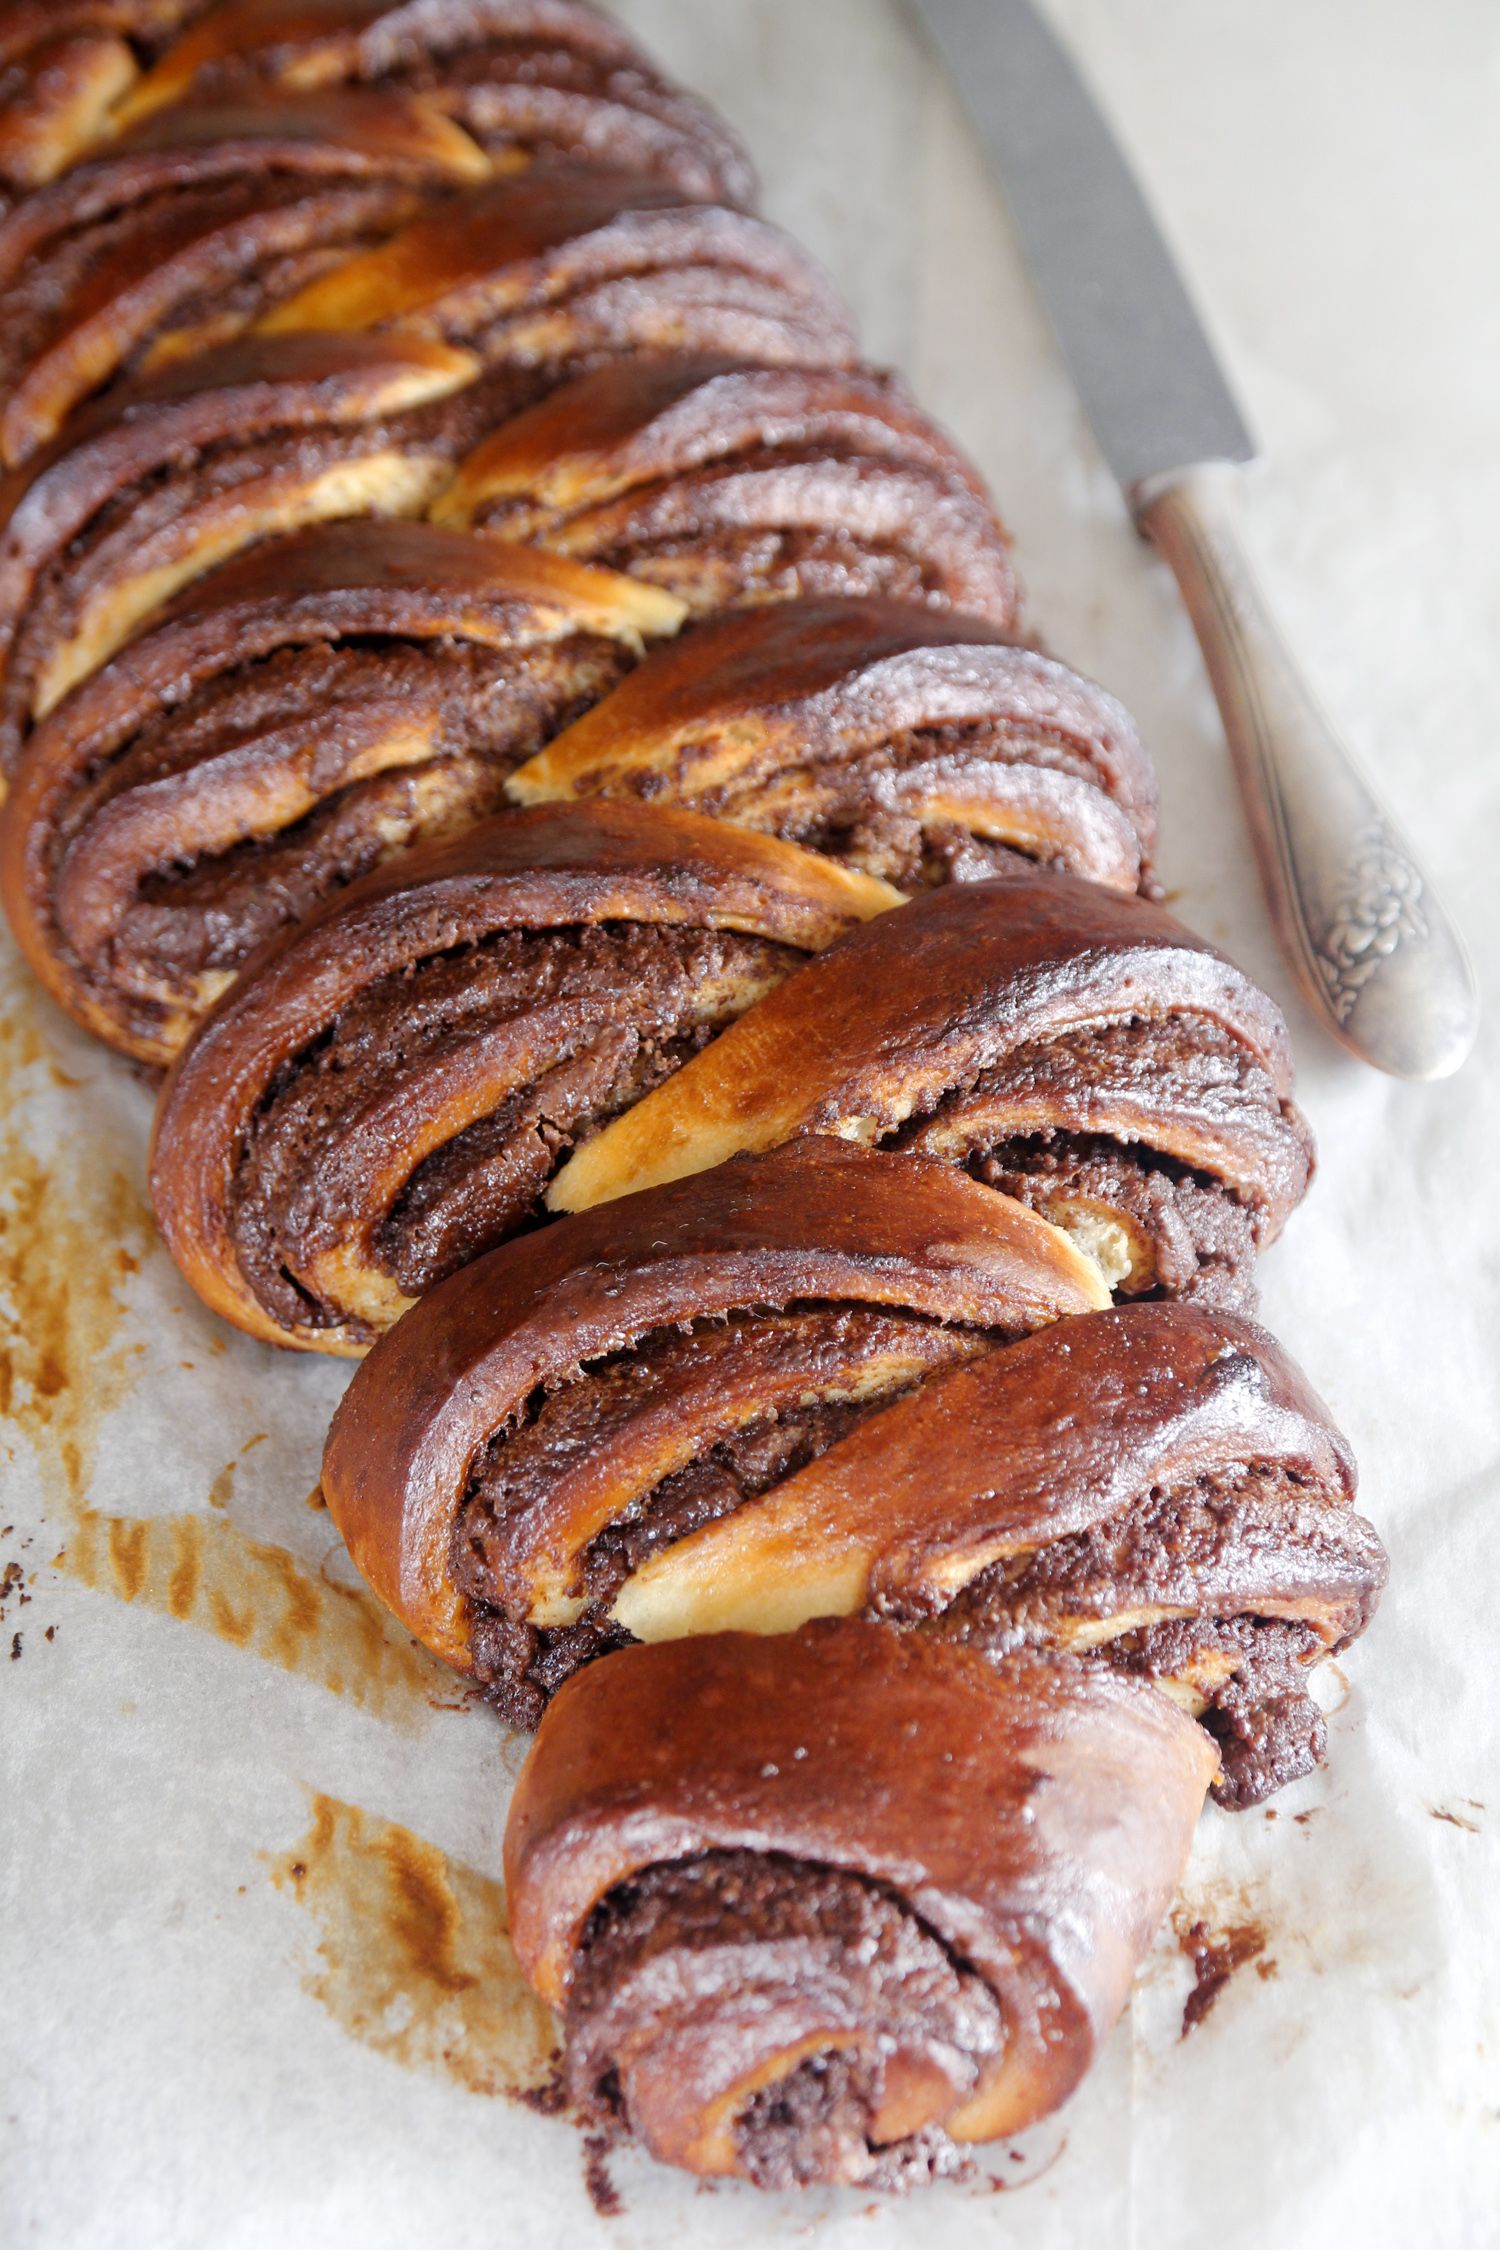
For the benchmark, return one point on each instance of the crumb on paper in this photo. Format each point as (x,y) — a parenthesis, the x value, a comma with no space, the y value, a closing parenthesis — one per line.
(1216,1954)
(602,2192)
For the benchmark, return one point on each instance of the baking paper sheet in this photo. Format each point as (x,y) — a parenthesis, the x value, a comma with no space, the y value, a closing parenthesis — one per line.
(256,1985)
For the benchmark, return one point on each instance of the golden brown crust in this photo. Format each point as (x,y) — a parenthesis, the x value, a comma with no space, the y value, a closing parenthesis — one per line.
(546,267)
(817,1221)
(65,68)
(556,869)
(732,483)
(55,104)
(521,75)
(880,732)
(1041,1013)
(1014,1451)
(163,478)
(1157,1490)
(178,236)
(236,727)
(1036,1822)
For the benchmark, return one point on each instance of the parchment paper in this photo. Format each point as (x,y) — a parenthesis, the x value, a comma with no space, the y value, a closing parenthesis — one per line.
(256,1990)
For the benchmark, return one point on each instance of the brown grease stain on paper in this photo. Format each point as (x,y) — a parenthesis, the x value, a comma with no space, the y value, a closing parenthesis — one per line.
(414,1955)
(72,1233)
(205,1572)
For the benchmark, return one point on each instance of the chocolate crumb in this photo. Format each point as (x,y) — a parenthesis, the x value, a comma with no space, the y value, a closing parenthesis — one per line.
(1216,1955)
(15,1646)
(603,2193)
(550,2098)
(50,1634)
(1454,1819)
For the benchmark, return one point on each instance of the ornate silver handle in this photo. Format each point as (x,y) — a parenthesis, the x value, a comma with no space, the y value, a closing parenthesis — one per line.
(1353,912)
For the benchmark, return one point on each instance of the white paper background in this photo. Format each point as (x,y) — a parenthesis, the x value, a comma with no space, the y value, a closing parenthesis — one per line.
(171,2076)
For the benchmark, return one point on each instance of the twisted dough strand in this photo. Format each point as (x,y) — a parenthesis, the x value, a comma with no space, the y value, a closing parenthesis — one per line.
(278,280)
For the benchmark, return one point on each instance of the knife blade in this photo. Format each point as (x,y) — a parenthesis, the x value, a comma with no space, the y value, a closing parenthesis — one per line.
(1357,919)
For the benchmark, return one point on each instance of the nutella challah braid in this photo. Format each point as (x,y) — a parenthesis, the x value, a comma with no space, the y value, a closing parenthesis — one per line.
(925,749)
(524,77)
(729,482)
(393,1088)
(596,1391)
(828,1908)
(774,1392)
(305,713)
(383,389)
(480,1033)
(1073,1047)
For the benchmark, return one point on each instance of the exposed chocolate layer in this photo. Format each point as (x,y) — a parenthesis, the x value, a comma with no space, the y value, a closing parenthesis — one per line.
(312,709)
(523,75)
(730,483)
(574,1401)
(657,1944)
(167,477)
(1031,1021)
(785,1386)
(1155,1490)
(391,1086)
(1160,1226)
(923,748)
(785,1949)
(565,265)
(1187,1559)
(601,1014)
(202,221)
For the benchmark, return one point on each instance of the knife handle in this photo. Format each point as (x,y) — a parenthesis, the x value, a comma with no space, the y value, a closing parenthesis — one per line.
(1353,912)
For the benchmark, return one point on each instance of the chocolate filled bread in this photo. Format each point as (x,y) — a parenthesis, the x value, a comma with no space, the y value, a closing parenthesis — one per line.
(194,225)
(165,477)
(568,1405)
(923,749)
(730,482)
(560,265)
(1157,1490)
(1075,1048)
(537,738)
(750,1876)
(523,76)
(303,714)
(393,1087)
(777,1391)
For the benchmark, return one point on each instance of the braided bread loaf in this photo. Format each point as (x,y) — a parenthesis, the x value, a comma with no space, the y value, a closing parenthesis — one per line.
(730,482)
(304,713)
(517,1448)
(192,226)
(481,662)
(924,749)
(1078,1049)
(522,76)
(394,1087)
(771,1393)
(820,1909)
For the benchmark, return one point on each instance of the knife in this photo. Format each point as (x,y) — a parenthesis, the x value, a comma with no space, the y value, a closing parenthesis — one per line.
(1356,917)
